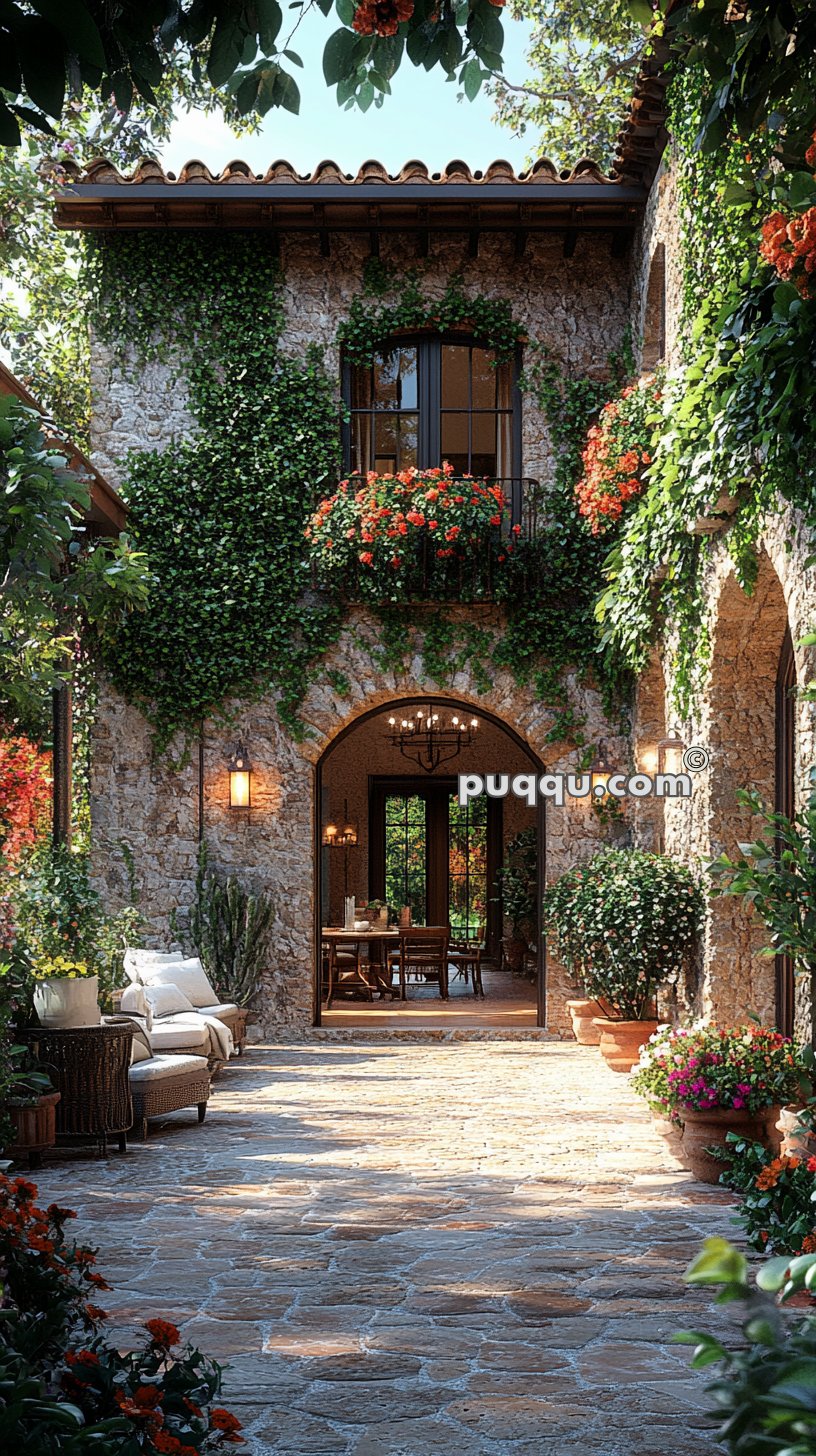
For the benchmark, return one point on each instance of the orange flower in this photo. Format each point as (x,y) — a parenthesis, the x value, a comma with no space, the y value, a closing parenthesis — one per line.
(162,1333)
(224,1420)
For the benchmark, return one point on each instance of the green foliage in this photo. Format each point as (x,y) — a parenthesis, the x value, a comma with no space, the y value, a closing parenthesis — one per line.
(762,1401)
(583,61)
(66,1391)
(55,583)
(58,913)
(239,48)
(230,928)
(222,514)
(402,307)
(776,876)
(624,924)
(776,1196)
(518,882)
(739,415)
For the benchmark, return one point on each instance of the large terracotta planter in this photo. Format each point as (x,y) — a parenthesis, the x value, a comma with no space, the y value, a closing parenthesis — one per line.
(709,1129)
(34,1125)
(583,1015)
(621,1041)
(62,1003)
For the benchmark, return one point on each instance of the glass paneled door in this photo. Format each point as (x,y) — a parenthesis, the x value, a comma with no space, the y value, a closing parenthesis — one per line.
(430,853)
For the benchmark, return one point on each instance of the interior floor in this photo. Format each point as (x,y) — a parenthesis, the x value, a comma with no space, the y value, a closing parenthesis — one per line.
(508,1001)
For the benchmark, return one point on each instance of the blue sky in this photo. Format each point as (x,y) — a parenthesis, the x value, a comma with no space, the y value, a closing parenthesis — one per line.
(422,118)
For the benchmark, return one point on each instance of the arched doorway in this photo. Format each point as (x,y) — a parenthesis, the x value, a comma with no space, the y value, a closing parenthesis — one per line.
(743,735)
(354,777)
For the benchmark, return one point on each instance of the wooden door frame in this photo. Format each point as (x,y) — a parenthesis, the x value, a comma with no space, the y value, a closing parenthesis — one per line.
(436,787)
(381,710)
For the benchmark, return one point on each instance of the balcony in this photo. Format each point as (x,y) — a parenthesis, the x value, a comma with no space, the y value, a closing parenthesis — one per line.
(430,567)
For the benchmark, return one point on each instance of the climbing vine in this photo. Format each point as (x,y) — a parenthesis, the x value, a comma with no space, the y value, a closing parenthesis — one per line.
(740,414)
(221,514)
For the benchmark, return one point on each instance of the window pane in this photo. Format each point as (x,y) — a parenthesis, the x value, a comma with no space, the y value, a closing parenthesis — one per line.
(483,459)
(455,370)
(385,443)
(395,378)
(360,387)
(504,452)
(360,443)
(504,386)
(408,440)
(405,853)
(484,379)
(455,441)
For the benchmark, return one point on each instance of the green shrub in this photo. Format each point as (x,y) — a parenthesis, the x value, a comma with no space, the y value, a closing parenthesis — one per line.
(624,924)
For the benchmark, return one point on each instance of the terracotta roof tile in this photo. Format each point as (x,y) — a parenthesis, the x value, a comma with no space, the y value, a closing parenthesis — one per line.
(149,171)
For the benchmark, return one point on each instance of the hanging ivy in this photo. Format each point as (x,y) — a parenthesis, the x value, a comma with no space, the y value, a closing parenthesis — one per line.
(221,514)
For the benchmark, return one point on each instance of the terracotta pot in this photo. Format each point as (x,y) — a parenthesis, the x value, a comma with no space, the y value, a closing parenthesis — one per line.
(621,1041)
(797,1138)
(34,1126)
(709,1129)
(584,1014)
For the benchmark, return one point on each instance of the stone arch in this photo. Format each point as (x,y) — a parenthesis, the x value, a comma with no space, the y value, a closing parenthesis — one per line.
(747,640)
(649,725)
(654,322)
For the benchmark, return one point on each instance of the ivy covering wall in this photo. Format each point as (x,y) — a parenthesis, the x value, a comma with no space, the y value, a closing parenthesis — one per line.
(221,515)
(739,415)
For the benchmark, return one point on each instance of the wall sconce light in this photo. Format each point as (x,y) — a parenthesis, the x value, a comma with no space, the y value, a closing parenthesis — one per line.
(670,753)
(600,770)
(649,760)
(240,779)
(330,834)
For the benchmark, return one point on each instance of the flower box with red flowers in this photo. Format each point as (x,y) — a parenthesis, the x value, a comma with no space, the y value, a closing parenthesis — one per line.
(418,534)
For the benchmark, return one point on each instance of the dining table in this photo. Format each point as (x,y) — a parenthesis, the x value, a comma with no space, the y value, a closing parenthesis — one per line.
(377,936)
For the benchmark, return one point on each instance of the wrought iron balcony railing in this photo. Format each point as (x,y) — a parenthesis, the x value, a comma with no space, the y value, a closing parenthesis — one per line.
(470,575)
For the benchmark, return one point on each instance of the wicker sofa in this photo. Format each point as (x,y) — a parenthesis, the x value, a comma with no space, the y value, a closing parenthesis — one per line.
(191,1029)
(158,1083)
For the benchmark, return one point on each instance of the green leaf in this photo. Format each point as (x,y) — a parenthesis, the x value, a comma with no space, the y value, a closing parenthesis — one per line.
(718,1263)
(471,78)
(9,130)
(76,25)
(270,20)
(338,56)
(225,51)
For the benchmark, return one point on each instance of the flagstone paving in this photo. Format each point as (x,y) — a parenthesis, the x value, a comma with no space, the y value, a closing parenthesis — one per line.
(416,1249)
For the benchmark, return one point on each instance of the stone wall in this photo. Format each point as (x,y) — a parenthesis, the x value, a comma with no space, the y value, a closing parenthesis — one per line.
(152,806)
(578,308)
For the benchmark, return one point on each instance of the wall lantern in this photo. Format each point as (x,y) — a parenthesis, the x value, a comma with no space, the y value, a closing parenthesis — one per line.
(600,770)
(670,752)
(344,837)
(649,759)
(240,779)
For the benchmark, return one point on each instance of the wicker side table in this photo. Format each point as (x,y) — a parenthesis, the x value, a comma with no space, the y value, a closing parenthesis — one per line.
(90,1065)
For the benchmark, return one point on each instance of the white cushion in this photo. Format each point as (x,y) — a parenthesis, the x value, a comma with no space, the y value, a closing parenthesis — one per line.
(218,1009)
(140,1051)
(186,1033)
(167,1000)
(167,1066)
(138,961)
(190,977)
(135,1003)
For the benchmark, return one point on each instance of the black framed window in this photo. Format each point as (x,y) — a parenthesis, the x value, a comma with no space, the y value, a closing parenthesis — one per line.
(423,401)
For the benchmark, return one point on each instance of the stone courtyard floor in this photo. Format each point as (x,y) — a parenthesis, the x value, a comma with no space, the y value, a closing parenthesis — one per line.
(414,1249)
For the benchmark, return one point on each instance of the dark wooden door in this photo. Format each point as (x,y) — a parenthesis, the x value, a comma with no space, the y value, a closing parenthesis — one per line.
(411,826)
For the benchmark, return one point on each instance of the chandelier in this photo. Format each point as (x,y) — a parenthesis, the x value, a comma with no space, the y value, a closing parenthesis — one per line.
(428,739)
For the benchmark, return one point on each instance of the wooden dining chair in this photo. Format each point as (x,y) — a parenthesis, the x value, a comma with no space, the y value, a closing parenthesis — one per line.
(423,951)
(466,956)
(348,972)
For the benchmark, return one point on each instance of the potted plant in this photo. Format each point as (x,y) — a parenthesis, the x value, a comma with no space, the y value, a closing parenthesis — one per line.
(28,1106)
(377,912)
(65,992)
(717,1080)
(518,882)
(624,924)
